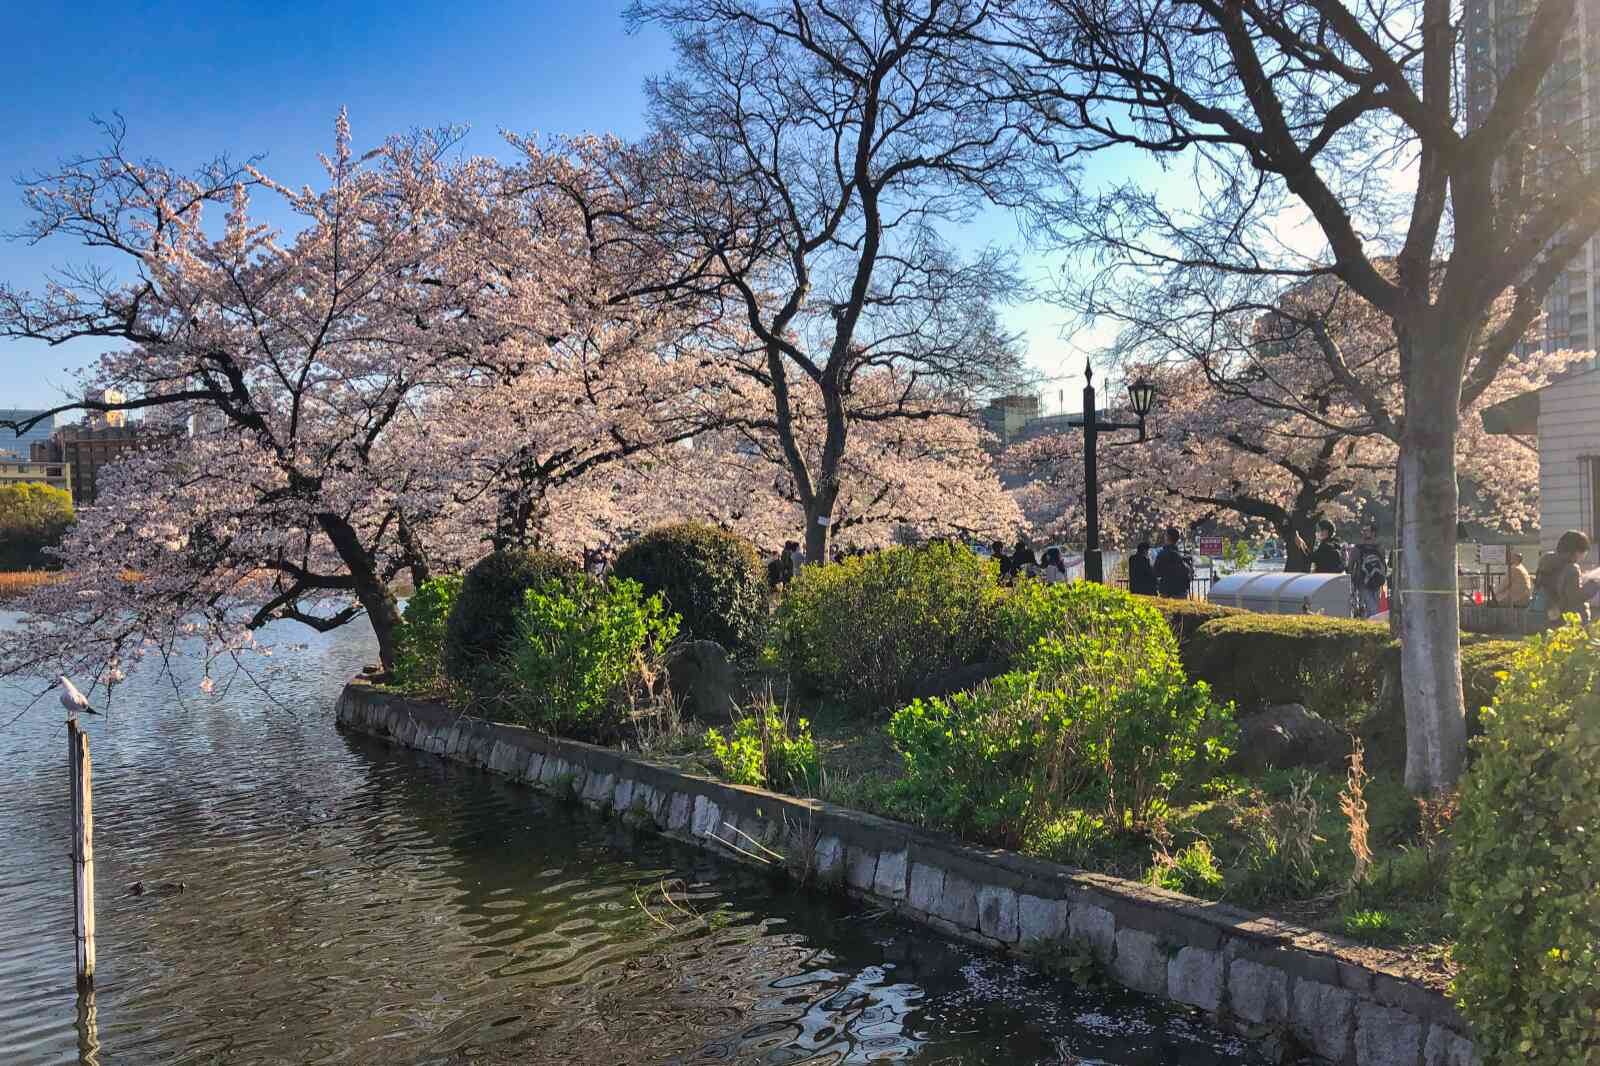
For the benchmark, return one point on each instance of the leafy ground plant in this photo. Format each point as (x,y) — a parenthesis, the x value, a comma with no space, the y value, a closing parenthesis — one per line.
(763,749)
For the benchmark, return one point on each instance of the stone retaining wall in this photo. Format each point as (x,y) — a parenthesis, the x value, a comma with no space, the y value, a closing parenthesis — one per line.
(1253,975)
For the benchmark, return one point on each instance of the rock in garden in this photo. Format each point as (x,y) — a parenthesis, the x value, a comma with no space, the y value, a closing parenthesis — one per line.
(703,679)
(1285,736)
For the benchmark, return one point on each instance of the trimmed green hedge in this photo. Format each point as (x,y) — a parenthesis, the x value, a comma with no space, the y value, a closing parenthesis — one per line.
(1333,665)
(712,578)
(1187,616)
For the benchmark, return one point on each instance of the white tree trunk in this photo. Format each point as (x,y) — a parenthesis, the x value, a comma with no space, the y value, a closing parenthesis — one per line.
(1430,619)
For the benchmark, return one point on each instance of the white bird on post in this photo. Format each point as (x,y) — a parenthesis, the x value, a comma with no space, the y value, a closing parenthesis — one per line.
(73,700)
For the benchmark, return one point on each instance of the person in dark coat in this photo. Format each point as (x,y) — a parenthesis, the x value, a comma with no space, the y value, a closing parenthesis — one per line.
(1141,574)
(1173,572)
(1328,556)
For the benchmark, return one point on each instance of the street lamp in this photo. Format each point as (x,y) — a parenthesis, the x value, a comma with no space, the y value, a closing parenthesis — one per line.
(1142,396)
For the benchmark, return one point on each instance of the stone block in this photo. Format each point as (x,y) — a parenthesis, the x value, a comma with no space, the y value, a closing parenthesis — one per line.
(1321,1018)
(1095,928)
(1445,1048)
(958,903)
(1141,962)
(597,789)
(1040,920)
(711,818)
(532,767)
(861,868)
(1258,993)
(997,913)
(622,794)
(1387,1036)
(828,860)
(680,812)
(890,880)
(1195,977)
(926,887)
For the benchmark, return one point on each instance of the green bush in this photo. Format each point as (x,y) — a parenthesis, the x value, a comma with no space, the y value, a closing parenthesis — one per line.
(1482,663)
(1097,714)
(1525,878)
(1193,871)
(33,516)
(761,751)
(580,645)
(419,659)
(869,628)
(1332,665)
(483,621)
(712,578)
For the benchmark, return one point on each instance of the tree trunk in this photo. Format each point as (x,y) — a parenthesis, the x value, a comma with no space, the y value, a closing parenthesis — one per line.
(1430,623)
(1295,558)
(372,593)
(819,536)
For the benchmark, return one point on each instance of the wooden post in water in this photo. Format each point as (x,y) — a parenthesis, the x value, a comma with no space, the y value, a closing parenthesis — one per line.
(82,852)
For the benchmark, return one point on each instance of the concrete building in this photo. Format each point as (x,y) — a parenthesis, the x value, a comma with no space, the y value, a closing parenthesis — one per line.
(56,475)
(86,449)
(1006,416)
(1570,109)
(1565,417)
(14,447)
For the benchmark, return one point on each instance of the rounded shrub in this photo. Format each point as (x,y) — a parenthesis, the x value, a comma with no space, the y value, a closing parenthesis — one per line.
(483,621)
(712,578)
(1525,880)
(870,628)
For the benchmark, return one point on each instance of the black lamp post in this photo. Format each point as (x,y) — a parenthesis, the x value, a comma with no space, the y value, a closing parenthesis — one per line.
(1142,396)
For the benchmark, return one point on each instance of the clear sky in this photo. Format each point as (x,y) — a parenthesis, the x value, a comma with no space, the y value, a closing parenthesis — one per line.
(193,80)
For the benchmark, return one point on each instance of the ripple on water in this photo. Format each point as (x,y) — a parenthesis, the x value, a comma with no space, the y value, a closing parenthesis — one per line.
(348,903)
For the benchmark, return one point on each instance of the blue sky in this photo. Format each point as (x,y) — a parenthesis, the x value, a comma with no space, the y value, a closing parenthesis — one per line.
(194,80)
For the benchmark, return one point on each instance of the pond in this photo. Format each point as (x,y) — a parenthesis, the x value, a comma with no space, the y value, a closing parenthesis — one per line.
(346,902)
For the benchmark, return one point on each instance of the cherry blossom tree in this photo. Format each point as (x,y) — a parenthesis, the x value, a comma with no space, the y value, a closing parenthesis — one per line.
(1256,428)
(373,396)
(833,139)
(905,478)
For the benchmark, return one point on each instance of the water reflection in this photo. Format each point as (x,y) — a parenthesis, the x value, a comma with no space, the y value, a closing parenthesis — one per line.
(350,903)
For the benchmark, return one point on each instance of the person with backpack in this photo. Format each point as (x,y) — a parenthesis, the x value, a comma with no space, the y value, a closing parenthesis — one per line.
(1368,571)
(1174,573)
(1558,586)
(1328,556)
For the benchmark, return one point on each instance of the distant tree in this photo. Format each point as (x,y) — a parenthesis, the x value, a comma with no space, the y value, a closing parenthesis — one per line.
(33,517)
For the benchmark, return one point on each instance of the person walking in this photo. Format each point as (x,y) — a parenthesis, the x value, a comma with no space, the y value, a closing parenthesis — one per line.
(1328,556)
(1558,586)
(1516,588)
(1174,573)
(1023,561)
(1368,571)
(1141,574)
(1053,566)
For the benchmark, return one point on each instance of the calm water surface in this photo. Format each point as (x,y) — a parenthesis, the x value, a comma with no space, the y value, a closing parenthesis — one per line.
(347,902)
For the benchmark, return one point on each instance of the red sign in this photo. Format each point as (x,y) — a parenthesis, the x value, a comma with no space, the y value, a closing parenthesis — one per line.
(1209,545)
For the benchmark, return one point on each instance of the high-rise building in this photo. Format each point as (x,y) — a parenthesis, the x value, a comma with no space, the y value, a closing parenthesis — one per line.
(15,447)
(1569,116)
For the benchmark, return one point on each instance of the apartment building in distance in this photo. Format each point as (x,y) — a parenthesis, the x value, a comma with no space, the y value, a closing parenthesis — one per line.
(88,448)
(1570,109)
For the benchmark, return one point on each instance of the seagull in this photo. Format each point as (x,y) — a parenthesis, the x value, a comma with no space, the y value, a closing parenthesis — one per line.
(73,700)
